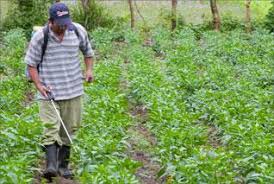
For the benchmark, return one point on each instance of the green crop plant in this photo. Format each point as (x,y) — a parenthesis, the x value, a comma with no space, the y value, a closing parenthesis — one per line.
(221,79)
(20,128)
(102,138)
(209,103)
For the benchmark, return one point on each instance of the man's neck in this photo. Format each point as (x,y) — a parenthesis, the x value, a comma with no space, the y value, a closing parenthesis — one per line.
(59,35)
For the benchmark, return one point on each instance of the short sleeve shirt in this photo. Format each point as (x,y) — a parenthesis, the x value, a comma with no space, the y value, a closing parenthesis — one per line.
(60,68)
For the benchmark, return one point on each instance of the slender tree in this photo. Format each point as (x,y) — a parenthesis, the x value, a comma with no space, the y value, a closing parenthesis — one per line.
(85,3)
(139,13)
(132,17)
(247,16)
(173,14)
(215,14)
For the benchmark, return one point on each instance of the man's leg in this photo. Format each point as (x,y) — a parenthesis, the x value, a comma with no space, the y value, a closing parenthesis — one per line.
(51,137)
(71,112)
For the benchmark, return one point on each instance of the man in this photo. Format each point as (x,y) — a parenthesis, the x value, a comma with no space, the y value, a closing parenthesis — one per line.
(60,74)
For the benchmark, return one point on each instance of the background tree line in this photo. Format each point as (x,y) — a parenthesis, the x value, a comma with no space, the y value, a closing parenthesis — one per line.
(91,14)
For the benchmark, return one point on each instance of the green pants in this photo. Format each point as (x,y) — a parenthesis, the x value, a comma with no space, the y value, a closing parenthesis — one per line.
(70,112)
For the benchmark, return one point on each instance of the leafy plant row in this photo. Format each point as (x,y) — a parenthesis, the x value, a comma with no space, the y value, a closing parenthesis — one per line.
(100,154)
(209,101)
(178,137)
(19,126)
(226,84)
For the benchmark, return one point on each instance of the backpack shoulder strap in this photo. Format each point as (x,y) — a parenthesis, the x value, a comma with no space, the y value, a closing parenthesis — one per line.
(44,44)
(75,30)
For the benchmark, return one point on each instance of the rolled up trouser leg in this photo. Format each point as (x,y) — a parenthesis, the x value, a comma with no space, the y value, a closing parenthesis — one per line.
(51,123)
(71,113)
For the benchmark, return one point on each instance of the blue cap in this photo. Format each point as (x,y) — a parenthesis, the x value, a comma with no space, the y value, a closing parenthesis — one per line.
(59,12)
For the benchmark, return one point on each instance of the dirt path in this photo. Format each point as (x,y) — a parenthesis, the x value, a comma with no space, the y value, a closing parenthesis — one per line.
(141,140)
(214,138)
(141,143)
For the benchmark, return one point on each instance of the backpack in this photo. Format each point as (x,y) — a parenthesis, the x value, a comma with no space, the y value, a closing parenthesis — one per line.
(44,47)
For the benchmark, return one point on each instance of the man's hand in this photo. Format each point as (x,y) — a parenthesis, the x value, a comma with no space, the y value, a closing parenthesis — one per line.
(43,90)
(89,76)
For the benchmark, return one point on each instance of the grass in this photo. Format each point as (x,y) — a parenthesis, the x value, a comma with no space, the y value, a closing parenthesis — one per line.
(3,10)
(157,12)
(192,11)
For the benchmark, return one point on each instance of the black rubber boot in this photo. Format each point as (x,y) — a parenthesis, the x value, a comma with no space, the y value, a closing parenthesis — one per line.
(51,159)
(63,162)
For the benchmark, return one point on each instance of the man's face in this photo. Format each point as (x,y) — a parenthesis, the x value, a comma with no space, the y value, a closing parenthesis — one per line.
(58,29)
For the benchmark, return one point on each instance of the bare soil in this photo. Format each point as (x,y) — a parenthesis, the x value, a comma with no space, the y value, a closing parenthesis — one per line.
(147,173)
(213,137)
(140,140)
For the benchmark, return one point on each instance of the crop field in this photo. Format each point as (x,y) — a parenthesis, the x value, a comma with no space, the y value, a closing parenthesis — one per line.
(164,108)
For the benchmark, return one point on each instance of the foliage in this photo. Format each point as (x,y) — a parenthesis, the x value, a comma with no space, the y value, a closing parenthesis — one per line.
(93,16)
(26,13)
(199,86)
(105,39)
(20,128)
(166,17)
(209,103)
(13,48)
(270,19)
(260,8)
(214,80)
(101,157)
(230,23)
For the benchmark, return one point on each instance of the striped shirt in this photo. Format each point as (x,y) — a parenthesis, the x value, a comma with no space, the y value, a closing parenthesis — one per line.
(60,68)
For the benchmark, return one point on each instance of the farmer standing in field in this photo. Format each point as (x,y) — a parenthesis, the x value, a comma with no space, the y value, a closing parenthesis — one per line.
(58,72)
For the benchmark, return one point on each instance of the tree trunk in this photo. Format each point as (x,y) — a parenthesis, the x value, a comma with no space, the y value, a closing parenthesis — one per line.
(132,18)
(85,4)
(173,14)
(139,13)
(247,16)
(215,14)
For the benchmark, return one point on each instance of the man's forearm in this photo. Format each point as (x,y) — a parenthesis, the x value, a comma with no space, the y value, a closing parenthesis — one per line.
(89,63)
(34,76)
